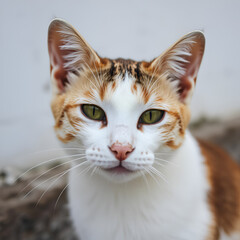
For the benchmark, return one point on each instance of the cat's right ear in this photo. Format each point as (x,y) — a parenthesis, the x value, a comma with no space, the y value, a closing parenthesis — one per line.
(68,52)
(180,63)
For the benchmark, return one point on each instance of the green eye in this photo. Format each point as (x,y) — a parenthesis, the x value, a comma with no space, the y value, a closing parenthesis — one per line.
(151,116)
(93,112)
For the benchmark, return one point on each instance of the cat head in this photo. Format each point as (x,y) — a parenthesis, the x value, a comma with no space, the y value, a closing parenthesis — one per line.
(121,113)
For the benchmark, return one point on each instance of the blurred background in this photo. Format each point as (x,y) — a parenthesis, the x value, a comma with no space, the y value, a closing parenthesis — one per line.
(127,28)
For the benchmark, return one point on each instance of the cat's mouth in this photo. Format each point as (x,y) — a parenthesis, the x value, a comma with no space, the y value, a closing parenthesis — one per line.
(118,170)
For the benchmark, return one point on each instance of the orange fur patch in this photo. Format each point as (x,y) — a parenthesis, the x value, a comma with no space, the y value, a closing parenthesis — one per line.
(134,88)
(213,233)
(224,196)
(57,106)
(67,138)
(173,145)
(145,94)
(113,86)
(102,91)
(75,121)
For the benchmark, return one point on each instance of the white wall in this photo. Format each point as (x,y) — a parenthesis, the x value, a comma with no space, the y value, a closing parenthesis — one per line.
(128,28)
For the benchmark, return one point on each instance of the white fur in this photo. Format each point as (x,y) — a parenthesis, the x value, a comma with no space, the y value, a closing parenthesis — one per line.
(136,210)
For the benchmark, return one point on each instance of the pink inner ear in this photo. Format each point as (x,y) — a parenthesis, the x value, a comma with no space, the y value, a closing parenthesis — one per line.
(188,80)
(194,61)
(185,86)
(60,75)
(57,63)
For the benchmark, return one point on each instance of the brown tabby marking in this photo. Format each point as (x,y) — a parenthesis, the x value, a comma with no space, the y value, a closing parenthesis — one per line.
(224,177)
(119,67)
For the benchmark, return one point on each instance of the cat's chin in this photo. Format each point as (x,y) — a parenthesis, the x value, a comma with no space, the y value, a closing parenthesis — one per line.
(119,174)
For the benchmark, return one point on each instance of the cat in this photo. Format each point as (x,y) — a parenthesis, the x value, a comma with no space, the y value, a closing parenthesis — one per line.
(140,174)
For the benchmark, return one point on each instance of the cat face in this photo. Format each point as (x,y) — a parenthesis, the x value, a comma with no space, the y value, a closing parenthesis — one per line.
(121,112)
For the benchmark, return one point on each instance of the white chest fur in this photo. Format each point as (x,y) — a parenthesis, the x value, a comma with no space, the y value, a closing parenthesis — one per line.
(177,210)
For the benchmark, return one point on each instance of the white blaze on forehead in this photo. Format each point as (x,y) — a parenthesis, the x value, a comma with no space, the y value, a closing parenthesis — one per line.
(123,99)
(124,106)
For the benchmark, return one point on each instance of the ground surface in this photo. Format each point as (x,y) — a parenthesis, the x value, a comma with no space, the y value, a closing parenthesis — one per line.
(21,218)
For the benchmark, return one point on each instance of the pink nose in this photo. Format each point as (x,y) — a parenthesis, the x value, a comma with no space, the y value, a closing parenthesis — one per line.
(121,152)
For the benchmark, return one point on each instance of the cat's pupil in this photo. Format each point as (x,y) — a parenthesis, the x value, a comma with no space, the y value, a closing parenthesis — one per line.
(93,111)
(150,113)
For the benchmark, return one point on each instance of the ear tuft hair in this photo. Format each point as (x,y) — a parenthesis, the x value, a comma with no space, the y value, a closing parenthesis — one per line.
(181,63)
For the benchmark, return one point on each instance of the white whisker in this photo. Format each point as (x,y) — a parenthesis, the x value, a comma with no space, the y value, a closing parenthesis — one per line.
(90,80)
(144,177)
(148,170)
(158,173)
(65,172)
(48,161)
(164,153)
(60,195)
(166,161)
(68,185)
(51,170)
(160,164)
(40,184)
(43,183)
(94,169)
(97,81)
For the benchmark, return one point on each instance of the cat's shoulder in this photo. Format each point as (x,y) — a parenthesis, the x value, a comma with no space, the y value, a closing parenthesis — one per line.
(224,196)
(218,159)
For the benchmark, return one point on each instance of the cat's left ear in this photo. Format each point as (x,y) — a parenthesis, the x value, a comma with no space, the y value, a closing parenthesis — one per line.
(181,63)
(68,52)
